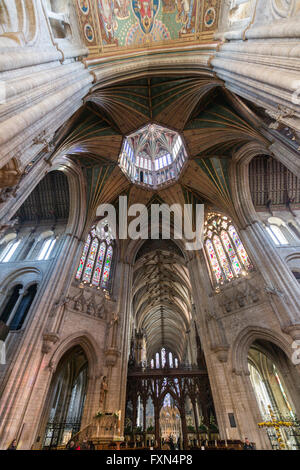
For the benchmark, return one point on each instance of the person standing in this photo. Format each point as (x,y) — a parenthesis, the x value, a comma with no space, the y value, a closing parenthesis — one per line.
(171,443)
(248,445)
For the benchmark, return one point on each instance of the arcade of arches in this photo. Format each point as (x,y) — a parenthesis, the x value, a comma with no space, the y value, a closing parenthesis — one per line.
(141,341)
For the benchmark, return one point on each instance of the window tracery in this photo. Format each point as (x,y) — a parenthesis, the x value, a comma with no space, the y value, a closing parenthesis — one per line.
(277,235)
(164,358)
(46,248)
(97,256)
(227,256)
(9,251)
(17,305)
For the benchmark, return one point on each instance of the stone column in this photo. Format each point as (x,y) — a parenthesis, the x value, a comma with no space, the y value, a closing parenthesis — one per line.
(281,285)
(156,422)
(28,378)
(184,427)
(231,394)
(117,349)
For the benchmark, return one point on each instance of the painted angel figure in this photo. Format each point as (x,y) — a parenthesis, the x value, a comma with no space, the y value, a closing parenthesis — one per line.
(106,9)
(122,9)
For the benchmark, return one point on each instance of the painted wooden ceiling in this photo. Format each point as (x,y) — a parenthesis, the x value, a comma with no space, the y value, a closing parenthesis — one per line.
(49,201)
(117,25)
(272,185)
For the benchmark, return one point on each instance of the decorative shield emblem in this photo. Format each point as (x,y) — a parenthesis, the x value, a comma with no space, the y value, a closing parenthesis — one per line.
(145,11)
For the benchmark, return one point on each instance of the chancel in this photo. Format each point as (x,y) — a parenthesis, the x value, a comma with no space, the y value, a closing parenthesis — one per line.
(118,334)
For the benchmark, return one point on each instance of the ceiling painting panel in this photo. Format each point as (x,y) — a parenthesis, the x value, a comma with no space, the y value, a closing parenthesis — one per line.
(111,25)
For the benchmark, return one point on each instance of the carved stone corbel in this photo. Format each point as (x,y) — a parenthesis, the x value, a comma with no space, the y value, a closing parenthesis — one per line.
(112,355)
(49,339)
(222,353)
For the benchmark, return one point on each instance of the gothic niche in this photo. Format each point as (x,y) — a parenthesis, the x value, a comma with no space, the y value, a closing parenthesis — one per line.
(66,399)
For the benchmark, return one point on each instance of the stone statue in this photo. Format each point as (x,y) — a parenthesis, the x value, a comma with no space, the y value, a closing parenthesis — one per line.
(79,302)
(114,320)
(103,389)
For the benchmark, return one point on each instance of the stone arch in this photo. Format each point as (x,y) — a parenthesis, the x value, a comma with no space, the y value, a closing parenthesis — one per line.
(83,339)
(72,366)
(264,355)
(159,67)
(87,343)
(293,262)
(19,295)
(134,247)
(279,351)
(77,191)
(240,185)
(76,183)
(170,392)
(26,276)
(243,342)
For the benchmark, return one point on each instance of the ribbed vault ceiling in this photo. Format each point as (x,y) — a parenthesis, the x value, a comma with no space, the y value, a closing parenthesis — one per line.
(162,300)
(212,122)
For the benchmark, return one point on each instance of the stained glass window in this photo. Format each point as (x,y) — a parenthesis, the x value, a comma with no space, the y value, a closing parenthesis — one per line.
(97,255)
(213,260)
(167,401)
(222,257)
(107,266)
(240,247)
(231,252)
(163,357)
(157,360)
(227,256)
(99,264)
(170,359)
(90,261)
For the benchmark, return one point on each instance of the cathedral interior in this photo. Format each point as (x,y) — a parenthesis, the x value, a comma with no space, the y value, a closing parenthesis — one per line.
(137,341)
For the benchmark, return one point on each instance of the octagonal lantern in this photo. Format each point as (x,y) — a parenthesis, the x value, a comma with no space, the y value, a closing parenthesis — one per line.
(153,156)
